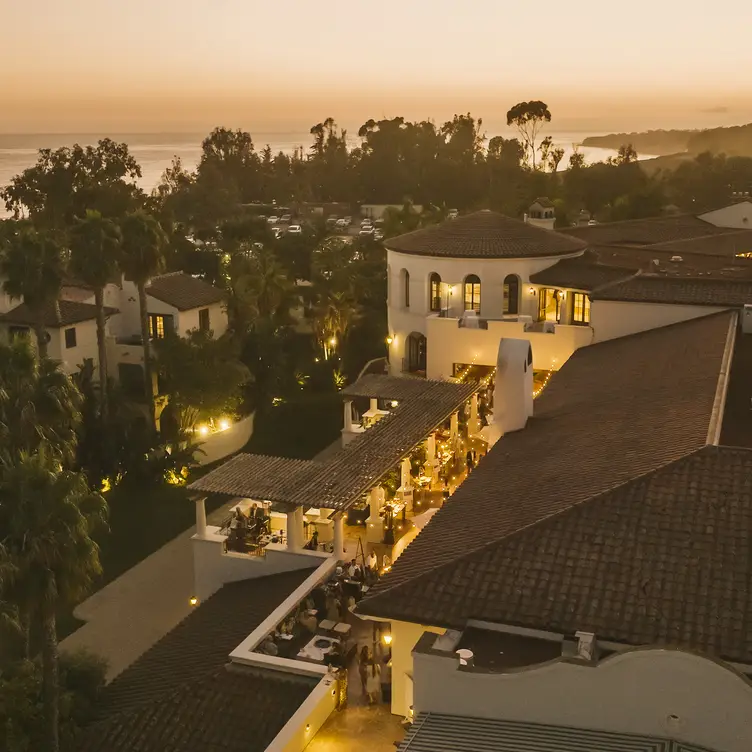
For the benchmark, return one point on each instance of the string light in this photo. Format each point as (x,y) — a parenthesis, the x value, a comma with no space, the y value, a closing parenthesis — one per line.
(537,391)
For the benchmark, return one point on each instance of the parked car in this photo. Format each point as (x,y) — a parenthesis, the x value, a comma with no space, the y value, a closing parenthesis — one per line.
(273,219)
(278,232)
(341,224)
(592,222)
(331,220)
(366,231)
(378,235)
(348,221)
(378,223)
(286,218)
(366,223)
(453,214)
(295,229)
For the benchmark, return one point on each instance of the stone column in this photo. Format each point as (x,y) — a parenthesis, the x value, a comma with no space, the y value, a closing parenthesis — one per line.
(473,424)
(374,404)
(348,415)
(295,529)
(374,524)
(339,537)
(454,429)
(431,448)
(200,517)
(375,500)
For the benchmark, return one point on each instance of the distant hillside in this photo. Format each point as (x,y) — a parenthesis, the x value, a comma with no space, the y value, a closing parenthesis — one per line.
(647,142)
(733,141)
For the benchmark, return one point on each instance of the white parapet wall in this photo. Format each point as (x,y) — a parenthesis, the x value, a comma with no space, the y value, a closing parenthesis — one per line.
(214,567)
(448,343)
(224,443)
(653,692)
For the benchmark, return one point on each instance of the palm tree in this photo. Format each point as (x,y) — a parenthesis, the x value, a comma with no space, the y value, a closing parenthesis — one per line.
(95,245)
(47,557)
(334,312)
(32,267)
(260,289)
(142,258)
(38,403)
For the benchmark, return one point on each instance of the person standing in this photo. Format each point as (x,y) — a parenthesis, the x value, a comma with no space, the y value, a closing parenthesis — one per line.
(373,682)
(364,658)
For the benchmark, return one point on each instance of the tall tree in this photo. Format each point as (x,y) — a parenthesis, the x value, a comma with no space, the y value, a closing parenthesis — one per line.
(95,248)
(47,557)
(335,311)
(38,403)
(32,267)
(65,182)
(529,118)
(142,258)
(203,376)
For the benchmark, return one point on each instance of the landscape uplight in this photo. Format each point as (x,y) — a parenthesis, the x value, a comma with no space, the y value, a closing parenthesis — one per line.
(333,341)
(224,424)
(203,430)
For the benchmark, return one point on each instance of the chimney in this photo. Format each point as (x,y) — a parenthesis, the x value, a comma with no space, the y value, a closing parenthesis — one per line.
(513,390)
(586,646)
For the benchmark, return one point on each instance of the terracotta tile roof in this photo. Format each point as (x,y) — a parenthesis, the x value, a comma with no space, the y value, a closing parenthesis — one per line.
(436,732)
(646,231)
(231,710)
(718,244)
(581,274)
(172,686)
(664,559)
(678,290)
(615,411)
(655,260)
(67,313)
(184,291)
(485,234)
(398,387)
(259,476)
(544,201)
(340,479)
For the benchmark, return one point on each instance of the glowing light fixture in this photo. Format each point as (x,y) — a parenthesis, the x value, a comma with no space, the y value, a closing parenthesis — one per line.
(307,728)
(203,430)
(389,340)
(394,403)
(224,424)
(387,639)
(193,601)
(333,341)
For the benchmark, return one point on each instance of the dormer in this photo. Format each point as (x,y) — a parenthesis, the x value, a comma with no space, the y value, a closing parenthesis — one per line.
(541,213)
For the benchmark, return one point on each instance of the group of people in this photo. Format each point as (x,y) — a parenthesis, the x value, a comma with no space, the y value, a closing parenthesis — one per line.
(367,574)
(375,675)
(247,527)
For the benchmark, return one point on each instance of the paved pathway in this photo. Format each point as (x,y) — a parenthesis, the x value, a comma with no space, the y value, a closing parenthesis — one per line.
(127,616)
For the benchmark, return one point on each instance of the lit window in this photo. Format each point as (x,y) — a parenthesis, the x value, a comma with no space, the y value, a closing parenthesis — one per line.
(581,308)
(472,293)
(548,304)
(435,292)
(159,324)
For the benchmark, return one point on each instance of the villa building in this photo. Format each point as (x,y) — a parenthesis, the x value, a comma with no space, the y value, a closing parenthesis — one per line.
(175,302)
(467,283)
(564,500)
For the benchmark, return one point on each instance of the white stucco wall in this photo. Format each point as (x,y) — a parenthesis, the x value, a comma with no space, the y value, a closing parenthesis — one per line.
(453,271)
(187,320)
(448,343)
(611,319)
(69,358)
(736,215)
(213,568)
(651,692)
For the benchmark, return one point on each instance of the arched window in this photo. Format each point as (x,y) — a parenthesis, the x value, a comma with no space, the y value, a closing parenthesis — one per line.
(471,294)
(405,275)
(511,293)
(434,292)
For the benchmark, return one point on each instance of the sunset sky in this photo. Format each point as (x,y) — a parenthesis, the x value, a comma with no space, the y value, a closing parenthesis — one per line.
(186,65)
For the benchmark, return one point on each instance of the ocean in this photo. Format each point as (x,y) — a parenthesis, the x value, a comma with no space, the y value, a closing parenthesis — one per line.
(155,151)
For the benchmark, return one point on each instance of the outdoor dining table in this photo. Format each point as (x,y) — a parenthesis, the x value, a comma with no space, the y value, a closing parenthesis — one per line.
(316,650)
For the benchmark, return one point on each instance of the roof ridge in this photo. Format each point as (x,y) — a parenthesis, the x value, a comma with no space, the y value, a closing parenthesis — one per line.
(519,531)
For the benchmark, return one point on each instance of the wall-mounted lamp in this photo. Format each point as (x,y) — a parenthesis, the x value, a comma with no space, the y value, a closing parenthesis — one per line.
(389,340)
(531,290)
(193,601)
(387,639)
